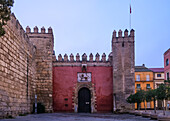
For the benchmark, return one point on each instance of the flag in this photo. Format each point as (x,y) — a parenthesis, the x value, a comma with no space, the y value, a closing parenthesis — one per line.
(130,9)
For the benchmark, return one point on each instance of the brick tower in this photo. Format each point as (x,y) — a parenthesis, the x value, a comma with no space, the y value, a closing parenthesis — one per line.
(123,69)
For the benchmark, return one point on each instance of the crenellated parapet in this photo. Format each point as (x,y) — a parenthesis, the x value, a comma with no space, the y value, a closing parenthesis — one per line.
(97,58)
(128,37)
(36,30)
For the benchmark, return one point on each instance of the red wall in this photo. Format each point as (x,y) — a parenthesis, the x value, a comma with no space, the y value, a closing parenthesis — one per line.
(65,79)
(166,68)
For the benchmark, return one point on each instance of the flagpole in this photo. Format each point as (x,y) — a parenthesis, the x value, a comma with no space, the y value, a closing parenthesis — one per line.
(130,17)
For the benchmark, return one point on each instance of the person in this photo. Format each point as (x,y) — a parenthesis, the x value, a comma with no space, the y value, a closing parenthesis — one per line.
(168,106)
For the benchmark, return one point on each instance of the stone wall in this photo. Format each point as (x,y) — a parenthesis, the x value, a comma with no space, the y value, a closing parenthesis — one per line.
(25,69)
(44,43)
(17,84)
(123,69)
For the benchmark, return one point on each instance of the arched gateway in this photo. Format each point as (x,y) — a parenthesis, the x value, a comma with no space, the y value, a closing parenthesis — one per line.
(84,100)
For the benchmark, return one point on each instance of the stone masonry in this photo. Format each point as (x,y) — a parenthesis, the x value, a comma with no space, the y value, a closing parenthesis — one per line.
(123,69)
(17,83)
(25,69)
(44,43)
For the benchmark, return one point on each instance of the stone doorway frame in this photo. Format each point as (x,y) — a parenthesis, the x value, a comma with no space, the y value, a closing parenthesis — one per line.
(90,86)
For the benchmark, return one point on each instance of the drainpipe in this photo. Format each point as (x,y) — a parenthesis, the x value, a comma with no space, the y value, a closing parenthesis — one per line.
(27,75)
(27,80)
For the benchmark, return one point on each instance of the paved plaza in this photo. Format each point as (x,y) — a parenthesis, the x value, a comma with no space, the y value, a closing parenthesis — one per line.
(78,117)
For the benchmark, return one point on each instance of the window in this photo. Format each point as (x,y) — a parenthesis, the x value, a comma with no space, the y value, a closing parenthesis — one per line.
(138,86)
(148,86)
(158,75)
(167,75)
(167,62)
(137,77)
(147,77)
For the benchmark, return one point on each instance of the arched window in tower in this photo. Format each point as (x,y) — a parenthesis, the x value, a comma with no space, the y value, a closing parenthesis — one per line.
(167,62)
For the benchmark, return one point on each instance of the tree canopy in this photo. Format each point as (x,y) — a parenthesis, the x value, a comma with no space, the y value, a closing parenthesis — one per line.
(5,12)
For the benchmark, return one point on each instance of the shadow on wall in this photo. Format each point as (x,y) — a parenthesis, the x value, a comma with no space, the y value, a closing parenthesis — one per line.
(5,105)
(40,108)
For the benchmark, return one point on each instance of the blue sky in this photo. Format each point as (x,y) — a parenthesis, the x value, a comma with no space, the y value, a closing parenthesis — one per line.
(86,26)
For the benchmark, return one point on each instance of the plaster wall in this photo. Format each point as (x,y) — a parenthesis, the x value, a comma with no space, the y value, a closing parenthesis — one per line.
(64,86)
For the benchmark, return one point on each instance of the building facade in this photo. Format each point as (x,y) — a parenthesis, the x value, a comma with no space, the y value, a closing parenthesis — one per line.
(144,81)
(166,64)
(167,70)
(29,69)
(158,79)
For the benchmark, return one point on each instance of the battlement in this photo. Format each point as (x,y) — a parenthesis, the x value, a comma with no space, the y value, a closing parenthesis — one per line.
(36,31)
(127,36)
(16,27)
(84,58)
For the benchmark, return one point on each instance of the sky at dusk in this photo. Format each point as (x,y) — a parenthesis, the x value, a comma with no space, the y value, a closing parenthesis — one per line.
(86,26)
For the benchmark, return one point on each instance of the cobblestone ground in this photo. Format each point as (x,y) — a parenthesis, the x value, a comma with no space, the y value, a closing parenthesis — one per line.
(78,117)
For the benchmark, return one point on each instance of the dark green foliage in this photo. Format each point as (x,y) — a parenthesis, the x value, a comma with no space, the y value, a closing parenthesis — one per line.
(140,96)
(5,11)
(22,114)
(150,95)
(161,92)
(9,117)
(167,82)
(131,99)
(136,98)
(40,108)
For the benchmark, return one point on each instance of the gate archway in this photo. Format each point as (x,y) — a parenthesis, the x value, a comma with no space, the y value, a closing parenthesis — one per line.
(84,100)
(90,87)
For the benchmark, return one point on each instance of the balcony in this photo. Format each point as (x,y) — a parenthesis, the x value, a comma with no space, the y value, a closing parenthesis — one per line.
(144,80)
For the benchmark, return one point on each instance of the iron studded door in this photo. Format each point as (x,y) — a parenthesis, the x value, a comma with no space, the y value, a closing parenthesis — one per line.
(84,101)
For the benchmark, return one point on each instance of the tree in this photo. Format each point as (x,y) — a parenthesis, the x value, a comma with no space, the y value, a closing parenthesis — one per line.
(5,11)
(142,95)
(136,98)
(151,96)
(162,95)
(131,99)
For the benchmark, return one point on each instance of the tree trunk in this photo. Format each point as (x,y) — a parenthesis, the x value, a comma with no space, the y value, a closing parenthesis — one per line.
(163,107)
(137,106)
(154,101)
(144,105)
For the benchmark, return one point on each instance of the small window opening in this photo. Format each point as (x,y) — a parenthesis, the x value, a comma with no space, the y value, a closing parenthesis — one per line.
(123,44)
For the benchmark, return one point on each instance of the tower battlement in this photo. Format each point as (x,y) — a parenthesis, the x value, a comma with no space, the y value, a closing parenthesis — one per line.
(36,30)
(127,36)
(97,58)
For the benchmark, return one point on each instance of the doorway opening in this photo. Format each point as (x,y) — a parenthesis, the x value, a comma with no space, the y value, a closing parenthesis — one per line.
(84,100)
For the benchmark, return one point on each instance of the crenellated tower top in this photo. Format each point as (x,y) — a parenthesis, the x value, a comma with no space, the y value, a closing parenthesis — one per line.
(36,31)
(120,37)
